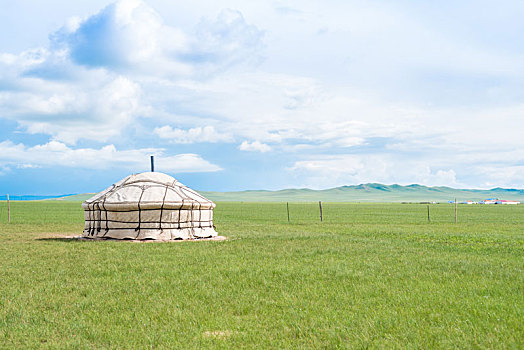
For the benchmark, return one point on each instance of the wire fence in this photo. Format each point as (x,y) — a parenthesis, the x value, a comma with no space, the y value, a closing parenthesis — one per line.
(297,213)
(370,213)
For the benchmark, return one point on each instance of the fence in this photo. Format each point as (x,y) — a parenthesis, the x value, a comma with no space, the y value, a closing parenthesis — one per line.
(299,213)
(368,213)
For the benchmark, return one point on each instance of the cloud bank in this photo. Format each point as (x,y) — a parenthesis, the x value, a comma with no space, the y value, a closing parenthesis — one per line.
(55,153)
(95,78)
(332,94)
(193,135)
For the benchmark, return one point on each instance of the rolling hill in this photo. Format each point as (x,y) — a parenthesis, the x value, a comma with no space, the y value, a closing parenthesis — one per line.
(371,192)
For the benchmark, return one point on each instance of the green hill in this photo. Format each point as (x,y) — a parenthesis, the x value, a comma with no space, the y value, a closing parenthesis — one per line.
(371,192)
(76,197)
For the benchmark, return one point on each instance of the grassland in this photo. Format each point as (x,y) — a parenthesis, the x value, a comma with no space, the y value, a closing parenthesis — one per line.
(370,275)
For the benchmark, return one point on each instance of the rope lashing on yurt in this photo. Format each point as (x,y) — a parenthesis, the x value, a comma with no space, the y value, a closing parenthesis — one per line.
(179,220)
(162,207)
(92,229)
(192,229)
(149,206)
(89,229)
(140,212)
(98,218)
(199,216)
(105,213)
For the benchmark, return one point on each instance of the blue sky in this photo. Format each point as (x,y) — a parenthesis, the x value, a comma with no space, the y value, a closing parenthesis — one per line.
(235,95)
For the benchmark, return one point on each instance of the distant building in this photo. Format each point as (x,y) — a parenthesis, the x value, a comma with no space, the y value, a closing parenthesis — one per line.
(489,201)
(502,201)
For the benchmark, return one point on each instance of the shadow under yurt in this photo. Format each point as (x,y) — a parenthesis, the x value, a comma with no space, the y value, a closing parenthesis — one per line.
(149,205)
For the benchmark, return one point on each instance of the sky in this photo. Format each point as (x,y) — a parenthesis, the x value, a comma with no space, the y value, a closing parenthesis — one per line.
(235,95)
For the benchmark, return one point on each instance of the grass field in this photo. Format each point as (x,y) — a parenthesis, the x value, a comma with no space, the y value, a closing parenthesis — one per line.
(370,275)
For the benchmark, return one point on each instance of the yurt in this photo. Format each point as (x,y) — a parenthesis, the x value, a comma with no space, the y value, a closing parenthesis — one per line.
(149,205)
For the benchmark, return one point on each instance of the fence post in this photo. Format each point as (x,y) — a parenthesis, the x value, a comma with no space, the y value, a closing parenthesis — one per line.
(455,210)
(429,220)
(320,206)
(287,206)
(8,210)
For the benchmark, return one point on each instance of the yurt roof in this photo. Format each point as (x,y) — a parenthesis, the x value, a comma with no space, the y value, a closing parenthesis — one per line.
(148,191)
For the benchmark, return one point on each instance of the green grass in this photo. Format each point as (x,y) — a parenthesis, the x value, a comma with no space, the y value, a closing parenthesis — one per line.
(370,275)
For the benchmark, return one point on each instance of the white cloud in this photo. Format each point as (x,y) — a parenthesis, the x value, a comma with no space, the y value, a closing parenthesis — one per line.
(96,110)
(330,171)
(320,114)
(193,135)
(55,153)
(125,34)
(501,175)
(323,171)
(99,76)
(28,166)
(4,170)
(146,68)
(186,163)
(254,146)
(227,40)
(129,35)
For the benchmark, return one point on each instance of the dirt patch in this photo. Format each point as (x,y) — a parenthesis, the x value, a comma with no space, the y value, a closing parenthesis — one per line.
(218,334)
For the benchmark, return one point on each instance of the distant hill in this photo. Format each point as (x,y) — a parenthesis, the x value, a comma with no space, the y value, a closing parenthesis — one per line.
(32,197)
(76,197)
(371,192)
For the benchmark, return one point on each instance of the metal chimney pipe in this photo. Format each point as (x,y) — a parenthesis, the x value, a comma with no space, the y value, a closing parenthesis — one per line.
(152,164)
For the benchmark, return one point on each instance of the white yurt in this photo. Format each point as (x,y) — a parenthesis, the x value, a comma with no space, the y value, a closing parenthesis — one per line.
(149,205)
